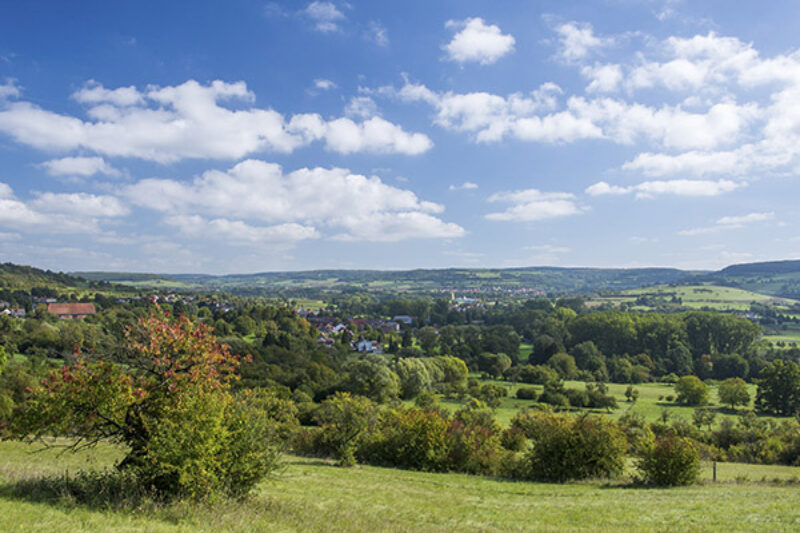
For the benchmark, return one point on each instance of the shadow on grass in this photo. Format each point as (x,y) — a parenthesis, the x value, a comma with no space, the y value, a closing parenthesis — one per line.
(97,490)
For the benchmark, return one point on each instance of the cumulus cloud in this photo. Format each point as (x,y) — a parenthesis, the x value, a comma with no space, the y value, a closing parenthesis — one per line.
(535,117)
(477,42)
(9,89)
(681,187)
(531,205)
(94,93)
(80,166)
(323,84)
(730,222)
(57,213)
(80,204)
(467,185)
(578,41)
(239,232)
(189,121)
(361,107)
(365,208)
(325,16)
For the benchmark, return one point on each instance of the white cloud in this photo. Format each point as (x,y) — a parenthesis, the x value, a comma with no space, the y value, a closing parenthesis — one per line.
(393,227)
(531,205)
(603,188)
(94,93)
(361,107)
(650,189)
(75,214)
(188,121)
(604,78)
(323,84)
(377,33)
(9,89)
(80,166)
(325,15)
(365,207)
(477,42)
(467,185)
(535,117)
(239,232)
(80,204)
(578,41)
(730,222)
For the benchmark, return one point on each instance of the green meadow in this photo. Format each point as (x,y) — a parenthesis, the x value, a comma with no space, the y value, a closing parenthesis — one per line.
(652,401)
(312,495)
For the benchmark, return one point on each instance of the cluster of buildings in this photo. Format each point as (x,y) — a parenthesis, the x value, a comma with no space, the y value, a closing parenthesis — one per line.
(329,326)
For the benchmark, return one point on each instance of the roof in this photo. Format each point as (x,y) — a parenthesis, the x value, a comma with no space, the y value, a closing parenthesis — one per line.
(71,309)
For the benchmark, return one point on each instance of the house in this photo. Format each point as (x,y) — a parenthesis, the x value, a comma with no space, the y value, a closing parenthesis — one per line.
(403,319)
(364,346)
(16,312)
(68,311)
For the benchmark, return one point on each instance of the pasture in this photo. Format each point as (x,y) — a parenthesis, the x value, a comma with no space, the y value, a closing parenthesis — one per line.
(314,496)
(651,403)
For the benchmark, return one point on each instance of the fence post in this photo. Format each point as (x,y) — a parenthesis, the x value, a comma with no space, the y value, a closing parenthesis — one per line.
(715,471)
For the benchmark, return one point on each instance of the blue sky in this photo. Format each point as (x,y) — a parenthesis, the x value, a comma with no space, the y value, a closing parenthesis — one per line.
(251,136)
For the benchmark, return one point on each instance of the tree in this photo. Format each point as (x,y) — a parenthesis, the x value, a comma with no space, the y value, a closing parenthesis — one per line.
(428,339)
(344,420)
(703,417)
(371,377)
(733,392)
(167,399)
(672,461)
(631,394)
(566,447)
(779,388)
(691,391)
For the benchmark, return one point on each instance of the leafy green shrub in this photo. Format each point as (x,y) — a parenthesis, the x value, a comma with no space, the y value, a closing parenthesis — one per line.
(672,461)
(345,420)
(554,394)
(408,438)
(513,439)
(527,393)
(567,447)
(637,431)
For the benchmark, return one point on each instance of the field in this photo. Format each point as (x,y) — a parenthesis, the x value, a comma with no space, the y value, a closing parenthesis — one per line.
(648,405)
(313,495)
(714,297)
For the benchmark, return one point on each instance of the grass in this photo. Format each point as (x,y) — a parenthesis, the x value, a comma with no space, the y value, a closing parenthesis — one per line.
(314,496)
(647,405)
(697,297)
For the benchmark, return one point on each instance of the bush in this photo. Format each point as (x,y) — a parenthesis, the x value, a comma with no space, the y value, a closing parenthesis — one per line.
(169,402)
(691,391)
(672,461)
(345,419)
(408,438)
(527,393)
(567,447)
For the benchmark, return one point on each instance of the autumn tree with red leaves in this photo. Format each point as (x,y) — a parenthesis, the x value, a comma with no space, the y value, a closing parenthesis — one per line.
(167,399)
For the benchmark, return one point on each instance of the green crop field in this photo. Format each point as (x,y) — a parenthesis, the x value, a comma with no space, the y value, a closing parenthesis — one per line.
(312,495)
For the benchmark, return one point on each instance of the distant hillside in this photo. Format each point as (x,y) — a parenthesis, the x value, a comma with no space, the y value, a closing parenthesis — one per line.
(544,279)
(776,278)
(24,278)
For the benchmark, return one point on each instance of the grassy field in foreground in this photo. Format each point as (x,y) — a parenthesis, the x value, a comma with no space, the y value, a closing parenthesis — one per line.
(313,495)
